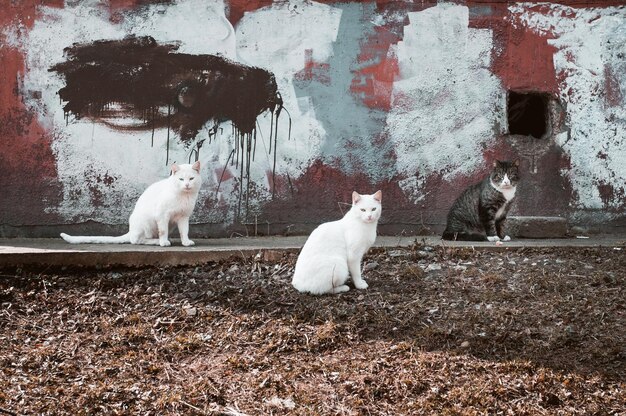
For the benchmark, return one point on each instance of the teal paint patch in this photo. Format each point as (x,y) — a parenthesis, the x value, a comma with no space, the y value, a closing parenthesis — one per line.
(355,139)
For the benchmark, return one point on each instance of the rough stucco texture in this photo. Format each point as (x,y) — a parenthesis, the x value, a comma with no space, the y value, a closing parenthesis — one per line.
(403,97)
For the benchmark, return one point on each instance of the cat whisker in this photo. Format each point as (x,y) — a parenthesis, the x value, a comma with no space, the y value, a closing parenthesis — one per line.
(339,203)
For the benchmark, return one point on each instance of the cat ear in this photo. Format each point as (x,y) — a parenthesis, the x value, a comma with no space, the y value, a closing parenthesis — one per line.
(175,168)
(495,163)
(378,196)
(516,163)
(196,166)
(355,197)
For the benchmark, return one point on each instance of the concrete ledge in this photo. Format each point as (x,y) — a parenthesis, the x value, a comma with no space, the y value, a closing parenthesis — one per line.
(56,252)
(537,227)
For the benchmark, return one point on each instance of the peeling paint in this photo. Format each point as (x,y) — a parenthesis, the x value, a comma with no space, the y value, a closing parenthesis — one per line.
(137,158)
(587,42)
(407,97)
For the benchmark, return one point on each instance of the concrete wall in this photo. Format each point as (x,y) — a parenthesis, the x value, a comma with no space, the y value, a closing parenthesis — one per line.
(407,97)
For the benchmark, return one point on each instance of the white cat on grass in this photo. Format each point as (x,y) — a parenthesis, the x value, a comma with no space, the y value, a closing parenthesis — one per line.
(334,250)
(162,205)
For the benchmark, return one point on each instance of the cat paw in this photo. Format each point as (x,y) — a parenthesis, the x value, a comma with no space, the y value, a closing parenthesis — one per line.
(506,238)
(165,243)
(188,243)
(493,238)
(361,284)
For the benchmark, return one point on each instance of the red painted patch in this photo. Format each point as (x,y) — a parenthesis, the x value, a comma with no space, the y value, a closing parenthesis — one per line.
(500,150)
(373,83)
(522,59)
(27,164)
(24,12)
(526,63)
(613,95)
(323,193)
(313,71)
(610,195)
(223,174)
(238,7)
(377,62)
(607,193)
(118,7)
(24,143)
(115,5)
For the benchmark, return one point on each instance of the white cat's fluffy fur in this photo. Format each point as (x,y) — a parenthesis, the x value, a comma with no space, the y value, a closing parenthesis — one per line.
(334,250)
(162,205)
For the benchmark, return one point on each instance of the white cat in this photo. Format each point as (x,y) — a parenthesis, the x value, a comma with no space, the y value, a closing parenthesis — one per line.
(164,203)
(334,249)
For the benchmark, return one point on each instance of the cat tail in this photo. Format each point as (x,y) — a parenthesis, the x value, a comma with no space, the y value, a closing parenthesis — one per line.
(80,239)
(463,236)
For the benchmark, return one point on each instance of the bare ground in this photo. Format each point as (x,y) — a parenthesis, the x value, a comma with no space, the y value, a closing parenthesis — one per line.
(439,332)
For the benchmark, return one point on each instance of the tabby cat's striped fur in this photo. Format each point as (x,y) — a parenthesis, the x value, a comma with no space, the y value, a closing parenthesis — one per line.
(479,213)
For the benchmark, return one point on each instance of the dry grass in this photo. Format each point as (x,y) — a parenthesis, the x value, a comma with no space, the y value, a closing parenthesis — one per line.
(439,332)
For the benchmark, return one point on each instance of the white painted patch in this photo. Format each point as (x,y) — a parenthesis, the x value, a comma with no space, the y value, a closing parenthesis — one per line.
(446,101)
(587,42)
(277,37)
(413,188)
(209,31)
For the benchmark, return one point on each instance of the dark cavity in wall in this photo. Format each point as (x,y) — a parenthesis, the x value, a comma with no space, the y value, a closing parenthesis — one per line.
(136,78)
(527,114)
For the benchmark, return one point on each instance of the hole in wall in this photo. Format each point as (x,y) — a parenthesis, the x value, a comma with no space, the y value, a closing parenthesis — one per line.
(528,114)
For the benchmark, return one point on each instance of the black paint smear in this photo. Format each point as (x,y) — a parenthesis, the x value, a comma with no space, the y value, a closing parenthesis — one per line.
(160,88)
(139,75)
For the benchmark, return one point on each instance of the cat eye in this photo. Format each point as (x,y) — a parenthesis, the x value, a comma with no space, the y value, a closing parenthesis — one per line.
(180,179)
(374,209)
(363,209)
(191,179)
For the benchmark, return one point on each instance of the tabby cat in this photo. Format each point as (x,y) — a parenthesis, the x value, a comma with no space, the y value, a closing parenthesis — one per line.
(479,213)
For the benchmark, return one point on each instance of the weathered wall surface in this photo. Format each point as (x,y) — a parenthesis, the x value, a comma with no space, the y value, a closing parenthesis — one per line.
(407,97)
